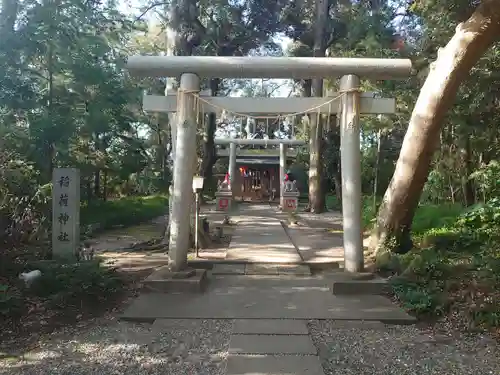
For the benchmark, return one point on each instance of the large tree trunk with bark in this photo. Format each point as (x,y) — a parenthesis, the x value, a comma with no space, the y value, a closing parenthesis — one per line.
(209,151)
(316,191)
(471,40)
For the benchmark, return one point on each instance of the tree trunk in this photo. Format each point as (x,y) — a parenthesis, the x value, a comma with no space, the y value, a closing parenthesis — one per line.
(88,187)
(471,40)
(105,186)
(97,184)
(209,151)
(468,188)
(307,88)
(316,191)
(377,167)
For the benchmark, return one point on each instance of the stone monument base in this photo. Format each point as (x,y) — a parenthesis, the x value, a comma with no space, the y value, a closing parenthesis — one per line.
(224,200)
(290,201)
(163,280)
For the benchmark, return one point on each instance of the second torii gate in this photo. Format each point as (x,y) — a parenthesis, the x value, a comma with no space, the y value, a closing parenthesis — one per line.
(330,104)
(352,104)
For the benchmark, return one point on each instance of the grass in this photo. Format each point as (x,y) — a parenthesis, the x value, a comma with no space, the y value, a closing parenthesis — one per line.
(123,212)
(427,216)
(431,216)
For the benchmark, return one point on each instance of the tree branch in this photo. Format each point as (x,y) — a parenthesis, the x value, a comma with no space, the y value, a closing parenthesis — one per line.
(154,5)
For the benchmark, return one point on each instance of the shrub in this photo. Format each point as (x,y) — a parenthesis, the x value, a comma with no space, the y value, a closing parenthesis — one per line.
(458,269)
(75,287)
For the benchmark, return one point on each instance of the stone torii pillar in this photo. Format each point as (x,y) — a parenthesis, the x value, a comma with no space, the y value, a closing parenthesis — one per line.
(232,165)
(350,158)
(283,148)
(184,168)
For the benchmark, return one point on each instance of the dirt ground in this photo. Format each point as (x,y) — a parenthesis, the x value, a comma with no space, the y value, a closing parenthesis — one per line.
(128,248)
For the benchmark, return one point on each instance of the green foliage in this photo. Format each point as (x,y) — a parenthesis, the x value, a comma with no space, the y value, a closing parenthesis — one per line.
(488,179)
(419,298)
(64,284)
(123,212)
(72,287)
(23,203)
(458,268)
(430,216)
(65,102)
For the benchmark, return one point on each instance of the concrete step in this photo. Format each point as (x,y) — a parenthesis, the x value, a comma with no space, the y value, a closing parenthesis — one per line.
(316,264)
(270,327)
(274,365)
(272,344)
(228,269)
(361,287)
(261,269)
(277,269)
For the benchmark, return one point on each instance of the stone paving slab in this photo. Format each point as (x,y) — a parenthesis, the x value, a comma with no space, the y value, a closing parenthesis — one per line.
(261,269)
(270,327)
(235,298)
(228,269)
(260,237)
(297,270)
(358,325)
(272,344)
(274,365)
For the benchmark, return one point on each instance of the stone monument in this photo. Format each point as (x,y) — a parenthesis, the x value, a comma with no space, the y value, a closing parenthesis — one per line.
(224,196)
(65,212)
(290,196)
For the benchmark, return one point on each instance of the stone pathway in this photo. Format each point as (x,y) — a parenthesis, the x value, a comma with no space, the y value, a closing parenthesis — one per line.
(272,346)
(260,237)
(266,299)
(202,347)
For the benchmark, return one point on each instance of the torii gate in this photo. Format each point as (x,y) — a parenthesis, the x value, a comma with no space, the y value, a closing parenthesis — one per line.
(351,103)
(260,107)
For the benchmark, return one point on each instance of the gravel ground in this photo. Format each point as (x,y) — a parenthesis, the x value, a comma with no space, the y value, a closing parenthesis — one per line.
(363,349)
(167,347)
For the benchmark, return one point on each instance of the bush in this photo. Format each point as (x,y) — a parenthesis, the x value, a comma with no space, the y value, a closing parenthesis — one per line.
(457,270)
(72,287)
(123,212)
(23,203)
